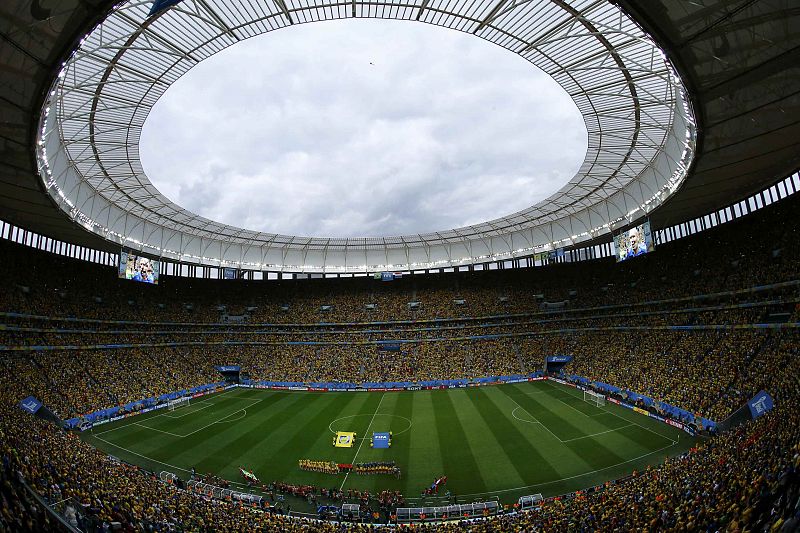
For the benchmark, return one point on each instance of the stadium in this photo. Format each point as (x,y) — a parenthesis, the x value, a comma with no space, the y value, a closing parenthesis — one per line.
(622,354)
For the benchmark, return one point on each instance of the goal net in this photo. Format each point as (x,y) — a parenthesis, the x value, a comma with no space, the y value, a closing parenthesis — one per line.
(177,402)
(594,398)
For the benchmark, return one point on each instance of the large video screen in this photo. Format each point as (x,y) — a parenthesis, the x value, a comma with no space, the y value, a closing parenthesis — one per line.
(635,242)
(138,268)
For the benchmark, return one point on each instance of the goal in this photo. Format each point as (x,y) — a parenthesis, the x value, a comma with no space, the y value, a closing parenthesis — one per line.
(177,402)
(594,397)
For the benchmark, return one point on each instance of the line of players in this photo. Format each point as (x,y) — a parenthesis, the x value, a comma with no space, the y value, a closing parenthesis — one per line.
(324,467)
(389,468)
(331,467)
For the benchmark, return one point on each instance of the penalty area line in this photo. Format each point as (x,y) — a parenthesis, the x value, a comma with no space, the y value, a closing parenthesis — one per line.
(224,418)
(534,418)
(140,455)
(545,483)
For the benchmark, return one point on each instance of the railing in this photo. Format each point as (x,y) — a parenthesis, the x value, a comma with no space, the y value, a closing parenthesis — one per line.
(53,510)
(407,515)
(220,493)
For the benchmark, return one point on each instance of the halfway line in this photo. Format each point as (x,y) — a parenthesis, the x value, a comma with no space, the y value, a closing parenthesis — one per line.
(363,439)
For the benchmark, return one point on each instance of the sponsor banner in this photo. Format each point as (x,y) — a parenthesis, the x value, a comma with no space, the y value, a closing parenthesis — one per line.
(381,440)
(315,389)
(612,400)
(389,346)
(536,379)
(641,411)
(121,417)
(394,389)
(515,381)
(413,388)
(298,388)
(277,387)
(625,405)
(659,418)
(673,423)
(30,404)
(559,381)
(344,439)
(228,368)
(760,404)
(559,359)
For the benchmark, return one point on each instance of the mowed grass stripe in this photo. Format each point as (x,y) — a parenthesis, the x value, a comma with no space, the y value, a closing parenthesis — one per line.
(635,439)
(140,430)
(305,432)
(464,434)
(424,445)
(494,463)
(562,458)
(542,408)
(402,442)
(386,420)
(591,449)
(580,415)
(140,443)
(458,458)
(224,405)
(211,450)
(574,397)
(622,416)
(528,463)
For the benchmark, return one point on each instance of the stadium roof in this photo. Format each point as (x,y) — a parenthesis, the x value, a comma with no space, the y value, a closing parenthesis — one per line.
(735,59)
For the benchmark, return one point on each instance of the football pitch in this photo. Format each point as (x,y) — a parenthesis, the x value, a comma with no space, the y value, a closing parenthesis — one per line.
(500,441)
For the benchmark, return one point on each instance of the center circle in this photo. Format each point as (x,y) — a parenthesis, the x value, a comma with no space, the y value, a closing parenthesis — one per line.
(362,128)
(407,423)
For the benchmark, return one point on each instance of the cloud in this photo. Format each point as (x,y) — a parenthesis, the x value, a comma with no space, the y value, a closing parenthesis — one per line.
(362,128)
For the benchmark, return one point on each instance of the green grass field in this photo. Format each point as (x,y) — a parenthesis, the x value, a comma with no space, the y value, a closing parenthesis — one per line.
(504,441)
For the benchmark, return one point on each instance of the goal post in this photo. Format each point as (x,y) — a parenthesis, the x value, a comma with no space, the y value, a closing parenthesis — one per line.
(593,397)
(177,402)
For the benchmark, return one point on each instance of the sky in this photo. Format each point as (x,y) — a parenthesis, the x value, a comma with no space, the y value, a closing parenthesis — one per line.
(361,128)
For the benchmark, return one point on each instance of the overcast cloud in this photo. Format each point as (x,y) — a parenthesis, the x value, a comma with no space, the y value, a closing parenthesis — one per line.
(356,128)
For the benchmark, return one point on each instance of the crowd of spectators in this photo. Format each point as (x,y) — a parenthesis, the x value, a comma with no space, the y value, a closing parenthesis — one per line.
(743,480)
(755,250)
(697,370)
(709,372)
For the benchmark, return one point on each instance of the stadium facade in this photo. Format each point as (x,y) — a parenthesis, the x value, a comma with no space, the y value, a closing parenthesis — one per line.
(673,98)
(692,114)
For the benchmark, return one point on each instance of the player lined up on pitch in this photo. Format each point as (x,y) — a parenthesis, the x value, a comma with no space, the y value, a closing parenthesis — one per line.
(377,468)
(325,467)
